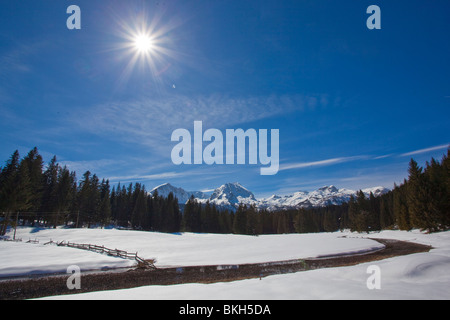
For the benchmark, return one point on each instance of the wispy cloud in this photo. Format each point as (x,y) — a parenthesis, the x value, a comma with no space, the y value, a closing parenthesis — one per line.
(93,166)
(148,120)
(430,149)
(16,60)
(320,163)
(148,177)
(383,156)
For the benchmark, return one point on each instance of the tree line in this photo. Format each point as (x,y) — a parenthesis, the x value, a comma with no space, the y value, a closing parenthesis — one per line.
(52,196)
(422,202)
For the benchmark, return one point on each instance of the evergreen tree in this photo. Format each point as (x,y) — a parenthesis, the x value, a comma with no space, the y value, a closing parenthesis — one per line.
(330,223)
(105,203)
(15,189)
(240,220)
(283,223)
(190,219)
(436,196)
(445,214)
(62,194)
(299,221)
(385,211)
(374,213)
(50,183)
(252,221)
(171,217)
(89,199)
(34,165)
(226,220)
(401,211)
(138,219)
(156,212)
(416,196)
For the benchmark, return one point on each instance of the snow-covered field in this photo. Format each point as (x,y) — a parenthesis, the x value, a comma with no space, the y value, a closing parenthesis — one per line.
(417,276)
(186,249)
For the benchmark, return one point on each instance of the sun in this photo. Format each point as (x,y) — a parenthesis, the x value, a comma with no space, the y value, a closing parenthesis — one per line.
(143,43)
(145,46)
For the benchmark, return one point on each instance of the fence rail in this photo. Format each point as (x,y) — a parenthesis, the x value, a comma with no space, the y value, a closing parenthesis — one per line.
(111,252)
(149,264)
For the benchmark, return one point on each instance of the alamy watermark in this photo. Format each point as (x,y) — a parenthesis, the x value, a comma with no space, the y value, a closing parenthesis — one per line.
(232,150)
(74,20)
(74,281)
(374,21)
(374,280)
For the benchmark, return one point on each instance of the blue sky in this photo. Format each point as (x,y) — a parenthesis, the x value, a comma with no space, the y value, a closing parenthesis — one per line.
(353,105)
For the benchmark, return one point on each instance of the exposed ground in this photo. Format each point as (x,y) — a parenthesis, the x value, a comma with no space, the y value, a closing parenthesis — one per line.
(14,289)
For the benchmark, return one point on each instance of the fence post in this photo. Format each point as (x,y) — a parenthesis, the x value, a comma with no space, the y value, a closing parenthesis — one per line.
(15,226)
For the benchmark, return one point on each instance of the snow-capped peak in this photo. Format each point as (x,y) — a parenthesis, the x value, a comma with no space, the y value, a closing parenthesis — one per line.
(328,189)
(377,191)
(179,193)
(230,195)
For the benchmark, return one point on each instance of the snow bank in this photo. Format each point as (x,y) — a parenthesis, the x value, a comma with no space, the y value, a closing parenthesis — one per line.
(187,249)
(416,276)
(28,259)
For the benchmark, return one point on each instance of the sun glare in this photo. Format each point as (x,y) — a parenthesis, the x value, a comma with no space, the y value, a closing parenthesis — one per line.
(143,43)
(145,46)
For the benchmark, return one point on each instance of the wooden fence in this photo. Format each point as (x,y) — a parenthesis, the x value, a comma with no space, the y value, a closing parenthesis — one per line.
(111,252)
(149,264)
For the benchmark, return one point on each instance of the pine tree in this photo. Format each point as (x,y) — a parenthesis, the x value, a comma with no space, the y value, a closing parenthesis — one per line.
(416,196)
(446,181)
(374,213)
(226,219)
(214,220)
(188,222)
(63,194)
(140,208)
(176,227)
(49,194)
(385,211)
(34,164)
(353,213)
(89,199)
(205,217)
(283,224)
(252,222)
(113,203)
(169,216)
(240,220)
(105,202)
(130,201)
(303,221)
(330,223)
(15,189)
(401,211)
(156,216)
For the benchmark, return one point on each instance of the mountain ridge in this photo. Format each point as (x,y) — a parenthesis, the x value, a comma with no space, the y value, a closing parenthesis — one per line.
(230,195)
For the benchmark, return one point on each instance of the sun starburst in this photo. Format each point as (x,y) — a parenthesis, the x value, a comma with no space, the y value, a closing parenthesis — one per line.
(143,43)
(145,46)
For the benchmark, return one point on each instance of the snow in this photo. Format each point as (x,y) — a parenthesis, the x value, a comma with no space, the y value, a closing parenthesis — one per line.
(19,258)
(415,276)
(187,249)
(230,195)
(328,195)
(181,194)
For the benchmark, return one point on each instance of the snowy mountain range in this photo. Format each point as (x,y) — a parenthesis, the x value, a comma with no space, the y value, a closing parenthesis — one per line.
(229,195)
